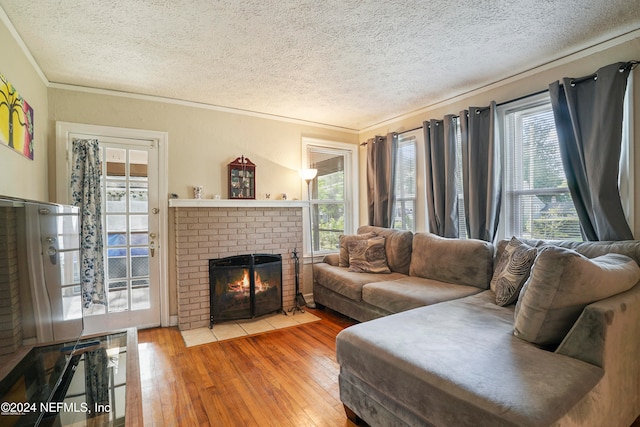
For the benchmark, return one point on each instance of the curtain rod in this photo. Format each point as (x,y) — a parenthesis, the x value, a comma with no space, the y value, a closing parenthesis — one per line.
(399,133)
(457,116)
(631,65)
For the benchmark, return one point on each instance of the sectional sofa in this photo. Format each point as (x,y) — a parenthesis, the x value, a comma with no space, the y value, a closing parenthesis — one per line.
(446,338)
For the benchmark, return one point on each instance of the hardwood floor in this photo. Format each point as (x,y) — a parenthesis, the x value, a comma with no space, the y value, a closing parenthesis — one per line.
(287,377)
(282,378)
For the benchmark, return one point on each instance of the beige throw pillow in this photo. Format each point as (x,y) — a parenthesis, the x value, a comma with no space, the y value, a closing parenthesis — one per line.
(562,283)
(512,270)
(343,261)
(368,256)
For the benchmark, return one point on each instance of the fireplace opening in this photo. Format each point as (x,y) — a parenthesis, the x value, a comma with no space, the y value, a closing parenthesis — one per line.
(244,286)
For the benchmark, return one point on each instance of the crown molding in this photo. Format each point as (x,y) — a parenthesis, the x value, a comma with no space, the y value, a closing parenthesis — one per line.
(201,105)
(582,53)
(14,33)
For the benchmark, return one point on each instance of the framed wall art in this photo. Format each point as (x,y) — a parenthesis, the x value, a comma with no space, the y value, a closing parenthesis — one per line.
(16,120)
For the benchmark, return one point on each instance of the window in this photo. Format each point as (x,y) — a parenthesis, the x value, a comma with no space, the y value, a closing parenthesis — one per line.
(333,193)
(406,186)
(537,203)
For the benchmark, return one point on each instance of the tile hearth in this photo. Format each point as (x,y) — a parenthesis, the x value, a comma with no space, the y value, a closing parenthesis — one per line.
(230,330)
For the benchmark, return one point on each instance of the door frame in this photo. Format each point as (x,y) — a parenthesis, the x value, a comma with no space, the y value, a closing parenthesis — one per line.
(161,141)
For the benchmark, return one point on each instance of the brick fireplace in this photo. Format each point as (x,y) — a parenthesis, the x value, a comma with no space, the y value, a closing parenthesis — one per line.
(209,229)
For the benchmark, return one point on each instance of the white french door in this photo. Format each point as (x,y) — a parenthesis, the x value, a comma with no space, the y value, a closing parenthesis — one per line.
(130,227)
(134,195)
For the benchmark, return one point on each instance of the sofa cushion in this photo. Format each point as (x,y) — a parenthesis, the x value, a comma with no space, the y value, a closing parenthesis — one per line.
(368,256)
(397,246)
(347,283)
(458,363)
(561,284)
(412,292)
(630,248)
(458,261)
(512,270)
(344,250)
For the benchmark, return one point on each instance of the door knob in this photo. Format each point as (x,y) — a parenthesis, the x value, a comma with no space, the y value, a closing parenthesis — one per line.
(52,252)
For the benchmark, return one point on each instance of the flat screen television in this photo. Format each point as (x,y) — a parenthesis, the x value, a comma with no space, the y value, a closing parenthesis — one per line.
(40,300)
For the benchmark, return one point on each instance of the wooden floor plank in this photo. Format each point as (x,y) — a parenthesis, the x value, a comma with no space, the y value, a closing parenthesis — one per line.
(287,377)
(284,378)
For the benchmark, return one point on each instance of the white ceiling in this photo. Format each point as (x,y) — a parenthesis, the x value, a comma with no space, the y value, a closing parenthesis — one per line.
(344,63)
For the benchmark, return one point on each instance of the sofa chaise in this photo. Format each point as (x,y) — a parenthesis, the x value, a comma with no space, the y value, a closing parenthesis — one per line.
(450,355)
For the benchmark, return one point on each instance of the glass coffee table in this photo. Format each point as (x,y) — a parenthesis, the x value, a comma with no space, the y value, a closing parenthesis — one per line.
(97,384)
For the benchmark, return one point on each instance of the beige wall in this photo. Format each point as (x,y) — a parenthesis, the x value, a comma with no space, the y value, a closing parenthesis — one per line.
(513,88)
(201,141)
(19,176)
(201,144)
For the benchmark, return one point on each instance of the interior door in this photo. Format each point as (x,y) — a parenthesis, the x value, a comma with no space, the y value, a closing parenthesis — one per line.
(129,184)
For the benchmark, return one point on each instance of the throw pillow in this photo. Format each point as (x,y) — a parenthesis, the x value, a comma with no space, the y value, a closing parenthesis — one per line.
(368,256)
(562,283)
(344,241)
(512,270)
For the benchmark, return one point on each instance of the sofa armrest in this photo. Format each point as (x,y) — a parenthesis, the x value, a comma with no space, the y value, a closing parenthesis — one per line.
(607,334)
(332,259)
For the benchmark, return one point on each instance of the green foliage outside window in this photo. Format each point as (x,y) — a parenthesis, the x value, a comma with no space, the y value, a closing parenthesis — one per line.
(544,203)
(329,210)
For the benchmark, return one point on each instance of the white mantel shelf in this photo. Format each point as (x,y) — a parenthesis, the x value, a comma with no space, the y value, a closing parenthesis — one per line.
(236,203)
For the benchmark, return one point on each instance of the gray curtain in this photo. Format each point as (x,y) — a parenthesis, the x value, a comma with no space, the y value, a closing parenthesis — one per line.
(442,197)
(381,164)
(85,193)
(481,172)
(588,113)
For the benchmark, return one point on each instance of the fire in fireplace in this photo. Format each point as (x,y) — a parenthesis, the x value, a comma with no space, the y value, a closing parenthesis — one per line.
(244,286)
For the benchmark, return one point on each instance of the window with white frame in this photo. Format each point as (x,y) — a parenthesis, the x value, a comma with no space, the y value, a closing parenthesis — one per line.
(332,193)
(406,183)
(537,203)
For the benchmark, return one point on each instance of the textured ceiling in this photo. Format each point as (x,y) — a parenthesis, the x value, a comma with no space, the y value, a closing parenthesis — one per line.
(344,63)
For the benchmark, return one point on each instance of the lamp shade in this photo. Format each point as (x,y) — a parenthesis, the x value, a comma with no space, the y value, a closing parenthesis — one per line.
(308,174)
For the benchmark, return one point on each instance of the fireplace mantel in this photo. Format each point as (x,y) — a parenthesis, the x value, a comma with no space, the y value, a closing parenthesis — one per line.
(235,203)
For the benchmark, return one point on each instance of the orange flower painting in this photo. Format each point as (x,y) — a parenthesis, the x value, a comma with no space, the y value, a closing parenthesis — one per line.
(16,120)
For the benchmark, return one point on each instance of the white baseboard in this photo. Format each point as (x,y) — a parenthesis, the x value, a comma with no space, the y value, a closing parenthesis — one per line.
(309,299)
